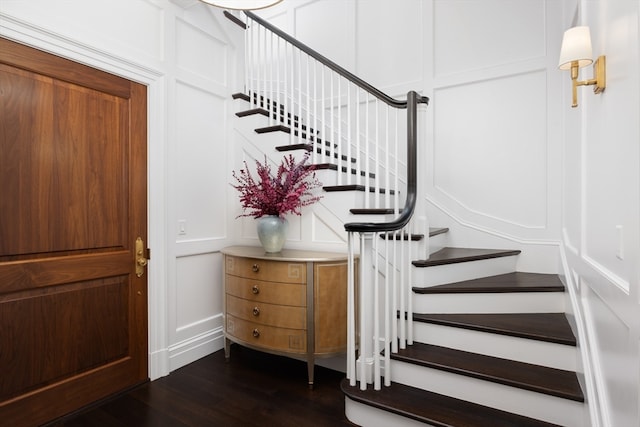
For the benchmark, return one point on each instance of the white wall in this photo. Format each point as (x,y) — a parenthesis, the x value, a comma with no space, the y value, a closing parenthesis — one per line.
(601,213)
(186,53)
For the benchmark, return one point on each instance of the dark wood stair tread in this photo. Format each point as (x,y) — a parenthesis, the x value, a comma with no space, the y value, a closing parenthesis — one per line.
(455,255)
(548,327)
(281,128)
(343,169)
(541,379)
(355,187)
(436,409)
(303,146)
(510,282)
(373,211)
(402,236)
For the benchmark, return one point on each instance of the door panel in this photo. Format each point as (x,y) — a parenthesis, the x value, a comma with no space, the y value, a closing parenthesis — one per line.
(73,314)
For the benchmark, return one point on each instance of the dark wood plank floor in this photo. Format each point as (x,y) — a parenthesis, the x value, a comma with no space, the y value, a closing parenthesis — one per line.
(252,389)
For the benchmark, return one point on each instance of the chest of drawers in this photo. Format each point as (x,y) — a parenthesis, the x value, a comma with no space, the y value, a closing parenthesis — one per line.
(292,303)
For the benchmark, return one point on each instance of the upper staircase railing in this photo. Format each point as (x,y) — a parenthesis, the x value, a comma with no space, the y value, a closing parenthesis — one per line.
(350,126)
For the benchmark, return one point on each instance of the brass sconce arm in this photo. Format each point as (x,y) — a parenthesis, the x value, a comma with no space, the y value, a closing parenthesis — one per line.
(598,80)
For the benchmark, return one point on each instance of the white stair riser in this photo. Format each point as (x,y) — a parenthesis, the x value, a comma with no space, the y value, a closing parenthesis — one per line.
(369,416)
(342,201)
(536,352)
(511,399)
(450,273)
(437,242)
(517,302)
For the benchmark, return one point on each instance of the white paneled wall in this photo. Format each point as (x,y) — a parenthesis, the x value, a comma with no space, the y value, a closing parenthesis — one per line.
(494,160)
(601,235)
(200,97)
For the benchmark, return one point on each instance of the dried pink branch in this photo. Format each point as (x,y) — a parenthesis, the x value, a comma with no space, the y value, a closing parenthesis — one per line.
(287,192)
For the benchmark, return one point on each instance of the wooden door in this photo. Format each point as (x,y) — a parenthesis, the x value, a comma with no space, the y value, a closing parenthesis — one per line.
(73,313)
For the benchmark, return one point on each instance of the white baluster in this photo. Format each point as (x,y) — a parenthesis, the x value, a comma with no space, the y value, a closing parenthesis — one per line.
(387,314)
(394,294)
(292,76)
(376,156)
(367,157)
(376,312)
(316,133)
(337,143)
(351,312)
(403,333)
(271,97)
(364,337)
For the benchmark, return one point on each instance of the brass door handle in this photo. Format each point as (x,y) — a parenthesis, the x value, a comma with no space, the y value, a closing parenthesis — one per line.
(141,261)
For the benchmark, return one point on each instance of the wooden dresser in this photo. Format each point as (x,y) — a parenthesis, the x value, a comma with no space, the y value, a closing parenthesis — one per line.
(291,303)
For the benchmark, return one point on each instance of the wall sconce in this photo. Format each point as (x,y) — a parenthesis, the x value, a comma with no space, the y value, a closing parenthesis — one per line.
(575,54)
(242,4)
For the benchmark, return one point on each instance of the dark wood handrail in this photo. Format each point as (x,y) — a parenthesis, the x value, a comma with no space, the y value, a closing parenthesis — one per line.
(335,67)
(412,177)
(411,104)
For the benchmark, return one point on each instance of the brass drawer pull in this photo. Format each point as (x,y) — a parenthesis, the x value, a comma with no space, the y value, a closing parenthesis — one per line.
(255,290)
(255,268)
(256,311)
(256,333)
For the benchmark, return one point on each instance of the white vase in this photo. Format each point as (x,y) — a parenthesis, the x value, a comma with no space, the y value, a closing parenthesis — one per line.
(272,232)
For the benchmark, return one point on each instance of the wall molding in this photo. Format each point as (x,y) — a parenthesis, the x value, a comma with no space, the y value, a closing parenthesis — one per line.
(593,382)
(491,231)
(194,348)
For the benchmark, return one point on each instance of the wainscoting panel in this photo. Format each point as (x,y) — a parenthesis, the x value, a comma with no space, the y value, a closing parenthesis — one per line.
(490,155)
(471,35)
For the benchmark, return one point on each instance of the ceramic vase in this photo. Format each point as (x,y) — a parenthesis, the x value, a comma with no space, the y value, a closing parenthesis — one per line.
(272,232)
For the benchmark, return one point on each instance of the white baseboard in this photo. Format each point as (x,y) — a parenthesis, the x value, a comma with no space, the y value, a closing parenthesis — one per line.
(190,350)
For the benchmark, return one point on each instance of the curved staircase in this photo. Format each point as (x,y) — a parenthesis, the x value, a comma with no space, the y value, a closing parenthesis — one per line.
(486,346)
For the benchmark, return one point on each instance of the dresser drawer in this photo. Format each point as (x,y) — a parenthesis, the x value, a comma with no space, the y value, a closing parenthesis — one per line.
(269,292)
(268,337)
(272,271)
(283,316)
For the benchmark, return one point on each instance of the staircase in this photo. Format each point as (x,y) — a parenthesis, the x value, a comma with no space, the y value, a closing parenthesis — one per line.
(489,351)
(474,342)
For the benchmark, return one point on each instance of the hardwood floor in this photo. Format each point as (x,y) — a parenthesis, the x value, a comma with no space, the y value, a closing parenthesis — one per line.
(252,389)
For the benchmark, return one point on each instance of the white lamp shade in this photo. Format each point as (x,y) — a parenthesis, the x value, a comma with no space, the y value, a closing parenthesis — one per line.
(576,46)
(242,4)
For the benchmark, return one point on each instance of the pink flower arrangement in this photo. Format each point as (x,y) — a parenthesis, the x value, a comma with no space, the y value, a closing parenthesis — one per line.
(288,191)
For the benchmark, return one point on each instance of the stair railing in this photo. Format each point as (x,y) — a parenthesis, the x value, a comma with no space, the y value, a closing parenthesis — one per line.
(352,127)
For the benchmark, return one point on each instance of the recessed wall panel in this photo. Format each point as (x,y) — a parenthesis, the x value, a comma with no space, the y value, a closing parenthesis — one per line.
(475,34)
(612,347)
(200,53)
(336,41)
(199,297)
(490,148)
(381,59)
(200,144)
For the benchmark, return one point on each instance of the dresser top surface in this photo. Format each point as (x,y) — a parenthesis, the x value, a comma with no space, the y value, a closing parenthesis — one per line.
(294,255)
